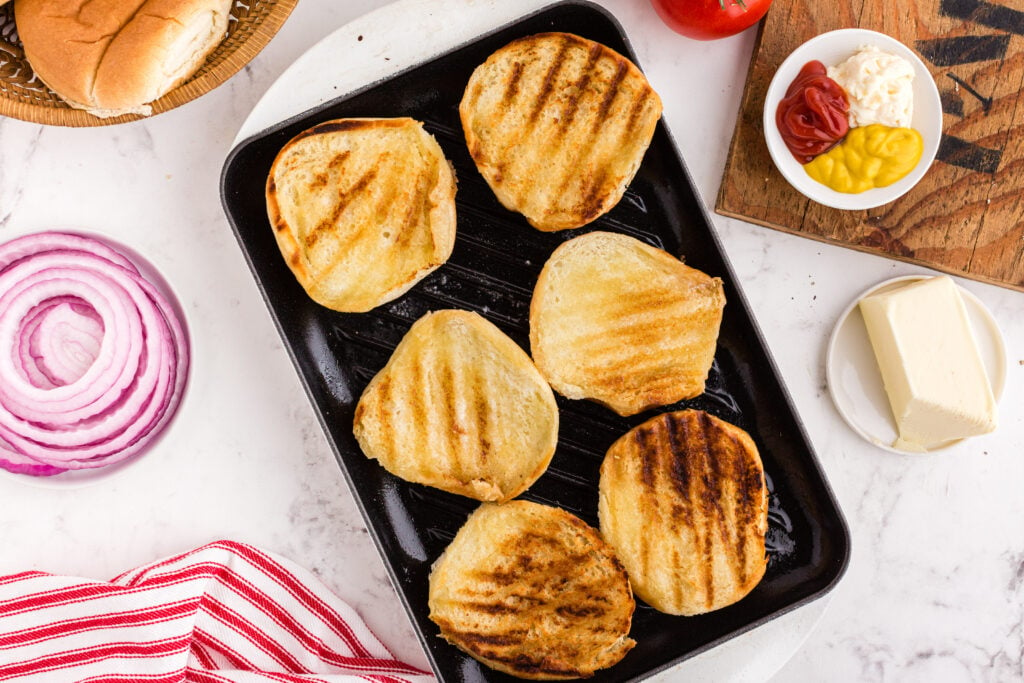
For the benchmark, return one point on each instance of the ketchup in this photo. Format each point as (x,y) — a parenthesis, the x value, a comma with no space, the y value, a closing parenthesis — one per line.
(812,117)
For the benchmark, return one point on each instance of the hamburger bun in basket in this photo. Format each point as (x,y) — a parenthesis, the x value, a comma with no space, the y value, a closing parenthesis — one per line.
(113,57)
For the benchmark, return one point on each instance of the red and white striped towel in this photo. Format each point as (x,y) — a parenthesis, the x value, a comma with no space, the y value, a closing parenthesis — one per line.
(224,612)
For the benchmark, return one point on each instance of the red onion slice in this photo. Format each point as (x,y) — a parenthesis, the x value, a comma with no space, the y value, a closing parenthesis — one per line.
(65,341)
(114,367)
(93,358)
(71,332)
(13,461)
(40,242)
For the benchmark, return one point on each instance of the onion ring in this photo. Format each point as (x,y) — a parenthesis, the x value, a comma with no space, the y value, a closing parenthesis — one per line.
(93,358)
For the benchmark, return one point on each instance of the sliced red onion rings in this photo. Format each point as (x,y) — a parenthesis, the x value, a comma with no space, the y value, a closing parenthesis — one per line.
(93,358)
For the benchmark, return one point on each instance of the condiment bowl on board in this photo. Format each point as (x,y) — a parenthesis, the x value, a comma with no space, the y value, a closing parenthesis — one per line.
(831,49)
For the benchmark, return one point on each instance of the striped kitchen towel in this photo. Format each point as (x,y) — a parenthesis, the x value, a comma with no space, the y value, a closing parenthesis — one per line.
(224,612)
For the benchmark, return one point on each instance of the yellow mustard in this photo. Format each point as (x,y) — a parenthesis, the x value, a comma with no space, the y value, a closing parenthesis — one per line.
(869,156)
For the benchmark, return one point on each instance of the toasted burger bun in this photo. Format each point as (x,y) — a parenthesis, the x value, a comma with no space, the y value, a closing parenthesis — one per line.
(532,591)
(622,323)
(113,57)
(362,209)
(459,406)
(683,502)
(558,125)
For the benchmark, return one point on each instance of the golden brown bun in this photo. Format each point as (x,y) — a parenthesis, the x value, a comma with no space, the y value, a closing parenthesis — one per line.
(618,321)
(362,209)
(532,591)
(459,406)
(683,502)
(558,126)
(113,57)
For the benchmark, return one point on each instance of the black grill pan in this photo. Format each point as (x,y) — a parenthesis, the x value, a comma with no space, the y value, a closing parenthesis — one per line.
(496,261)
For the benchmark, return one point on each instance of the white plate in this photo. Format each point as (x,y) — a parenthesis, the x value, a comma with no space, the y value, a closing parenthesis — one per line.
(73,479)
(830,49)
(855,382)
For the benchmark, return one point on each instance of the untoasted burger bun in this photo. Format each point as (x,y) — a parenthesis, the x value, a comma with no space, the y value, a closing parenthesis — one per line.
(113,57)
(362,209)
(459,406)
(683,502)
(558,125)
(532,591)
(622,323)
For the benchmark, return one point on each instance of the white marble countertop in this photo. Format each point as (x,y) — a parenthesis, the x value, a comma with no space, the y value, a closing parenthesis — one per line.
(935,585)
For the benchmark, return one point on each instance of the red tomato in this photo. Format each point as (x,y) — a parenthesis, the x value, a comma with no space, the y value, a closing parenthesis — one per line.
(710,19)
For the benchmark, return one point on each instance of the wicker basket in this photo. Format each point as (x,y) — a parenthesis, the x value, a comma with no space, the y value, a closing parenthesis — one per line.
(22,96)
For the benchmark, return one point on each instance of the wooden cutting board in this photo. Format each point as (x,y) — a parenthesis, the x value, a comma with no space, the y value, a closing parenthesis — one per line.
(966,216)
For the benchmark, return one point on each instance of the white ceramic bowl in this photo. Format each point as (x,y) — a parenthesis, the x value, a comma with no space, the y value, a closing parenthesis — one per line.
(830,49)
(73,479)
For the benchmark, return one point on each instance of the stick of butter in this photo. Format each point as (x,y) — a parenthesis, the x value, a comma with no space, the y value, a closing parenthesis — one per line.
(937,385)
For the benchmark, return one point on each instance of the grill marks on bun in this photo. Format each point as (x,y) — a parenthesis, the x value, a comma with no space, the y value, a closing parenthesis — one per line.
(533,591)
(684,502)
(362,209)
(558,125)
(460,407)
(623,323)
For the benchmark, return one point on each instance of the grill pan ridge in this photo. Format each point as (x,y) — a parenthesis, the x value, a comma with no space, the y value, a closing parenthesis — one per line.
(493,268)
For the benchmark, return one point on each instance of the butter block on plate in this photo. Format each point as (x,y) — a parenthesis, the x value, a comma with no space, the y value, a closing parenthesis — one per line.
(931,366)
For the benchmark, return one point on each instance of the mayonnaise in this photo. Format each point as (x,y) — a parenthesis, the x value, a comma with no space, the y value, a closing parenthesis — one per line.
(879,85)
